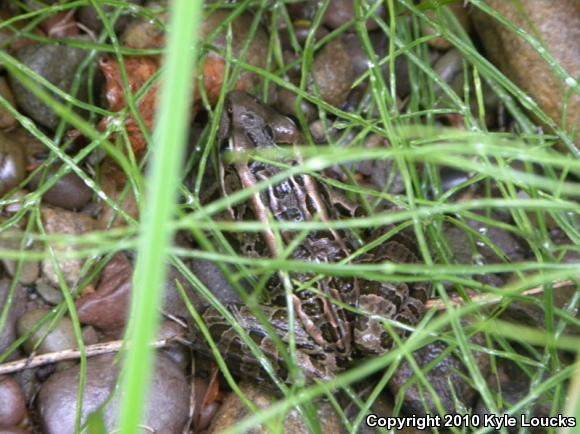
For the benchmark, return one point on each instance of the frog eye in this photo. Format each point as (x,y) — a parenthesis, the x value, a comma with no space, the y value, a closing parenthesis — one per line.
(248,119)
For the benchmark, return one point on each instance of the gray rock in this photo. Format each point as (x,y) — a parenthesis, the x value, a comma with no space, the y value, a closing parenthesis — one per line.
(56,63)
(167,410)
(17,308)
(234,410)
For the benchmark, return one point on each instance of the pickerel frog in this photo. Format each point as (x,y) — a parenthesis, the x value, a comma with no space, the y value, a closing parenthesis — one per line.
(328,336)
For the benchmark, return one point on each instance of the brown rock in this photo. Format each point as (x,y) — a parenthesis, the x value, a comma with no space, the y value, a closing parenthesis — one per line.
(334,73)
(6,119)
(558,25)
(107,307)
(12,402)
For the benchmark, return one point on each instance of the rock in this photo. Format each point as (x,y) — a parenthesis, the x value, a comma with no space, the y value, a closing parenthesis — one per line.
(56,63)
(511,384)
(17,308)
(167,409)
(215,280)
(214,65)
(107,307)
(144,34)
(12,163)
(175,351)
(88,16)
(12,240)
(113,187)
(333,72)
(340,12)
(449,372)
(6,119)
(558,25)
(60,337)
(60,222)
(13,407)
(461,13)
(49,293)
(233,410)
(70,191)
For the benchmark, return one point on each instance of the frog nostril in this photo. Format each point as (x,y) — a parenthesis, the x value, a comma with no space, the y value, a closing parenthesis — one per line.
(269,131)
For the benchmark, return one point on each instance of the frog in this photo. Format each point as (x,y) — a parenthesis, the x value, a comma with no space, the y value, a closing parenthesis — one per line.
(335,321)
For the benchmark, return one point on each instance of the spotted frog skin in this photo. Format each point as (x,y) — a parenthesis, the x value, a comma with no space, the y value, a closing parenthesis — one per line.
(328,336)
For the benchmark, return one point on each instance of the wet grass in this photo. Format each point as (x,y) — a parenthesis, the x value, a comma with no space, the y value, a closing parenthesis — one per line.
(419,148)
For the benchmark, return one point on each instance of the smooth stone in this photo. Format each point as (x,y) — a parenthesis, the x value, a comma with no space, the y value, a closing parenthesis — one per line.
(216,281)
(461,14)
(17,308)
(514,385)
(215,66)
(61,222)
(56,63)
(167,409)
(6,118)
(107,307)
(29,269)
(333,72)
(49,293)
(558,25)
(233,411)
(70,192)
(89,16)
(61,337)
(450,370)
(179,353)
(12,163)
(340,12)
(12,402)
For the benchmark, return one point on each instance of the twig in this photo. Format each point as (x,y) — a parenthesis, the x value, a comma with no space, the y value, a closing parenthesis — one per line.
(457,300)
(59,356)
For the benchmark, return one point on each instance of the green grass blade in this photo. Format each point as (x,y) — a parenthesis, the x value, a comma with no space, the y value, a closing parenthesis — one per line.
(154,241)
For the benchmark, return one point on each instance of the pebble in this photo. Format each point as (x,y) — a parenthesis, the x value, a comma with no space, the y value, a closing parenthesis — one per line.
(61,222)
(6,119)
(56,63)
(256,54)
(167,409)
(234,410)
(12,163)
(340,12)
(558,26)
(29,269)
(17,308)
(107,307)
(70,191)
(449,372)
(12,402)
(89,16)
(61,336)
(333,73)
